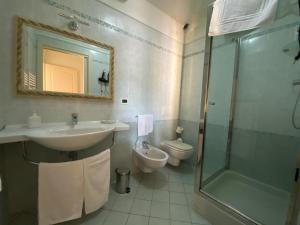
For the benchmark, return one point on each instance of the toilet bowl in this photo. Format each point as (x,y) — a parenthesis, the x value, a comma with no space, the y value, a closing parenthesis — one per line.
(149,160)
(177,151)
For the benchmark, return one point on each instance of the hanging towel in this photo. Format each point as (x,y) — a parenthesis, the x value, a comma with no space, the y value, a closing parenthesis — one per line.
(231,16)
(60,192)
(145,124)
(96,181)
(142,130)
(149,123)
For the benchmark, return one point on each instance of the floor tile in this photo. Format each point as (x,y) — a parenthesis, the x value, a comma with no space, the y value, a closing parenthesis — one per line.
(160,210)
(97,218)
(180,223)
(196,218)
(145,194)
(122,204)
(116,218)
(131,194)
(135,180)
(162,175)
(137,220)
(141,207)
(189,198)
(161,185)
(175,178)
(189,188)
(158,221)
(180,213)
(176,187)
(161,196)
(189,179)
(178,198)
(111,201)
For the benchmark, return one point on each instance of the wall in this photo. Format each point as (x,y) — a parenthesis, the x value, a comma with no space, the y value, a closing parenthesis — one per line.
(149,15)
(192,74)
(147,72)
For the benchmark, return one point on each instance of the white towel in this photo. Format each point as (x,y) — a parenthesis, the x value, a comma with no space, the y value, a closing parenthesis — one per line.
(145,124)
(231,16)
(149,123)
(96,181)
(60,194)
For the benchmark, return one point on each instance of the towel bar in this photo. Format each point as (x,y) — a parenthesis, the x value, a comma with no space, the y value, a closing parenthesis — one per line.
(25,152)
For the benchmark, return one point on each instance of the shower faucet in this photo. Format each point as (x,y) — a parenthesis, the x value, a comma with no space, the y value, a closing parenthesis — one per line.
(296,82)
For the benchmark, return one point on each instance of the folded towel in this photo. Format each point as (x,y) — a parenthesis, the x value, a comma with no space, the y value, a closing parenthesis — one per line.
(60,192)
(231,16)
(96,181)
(145,125)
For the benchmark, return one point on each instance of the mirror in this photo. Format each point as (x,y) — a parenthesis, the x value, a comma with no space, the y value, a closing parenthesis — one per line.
(56,62)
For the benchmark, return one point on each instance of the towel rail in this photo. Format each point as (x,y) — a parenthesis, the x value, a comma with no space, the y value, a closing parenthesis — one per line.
(26,158)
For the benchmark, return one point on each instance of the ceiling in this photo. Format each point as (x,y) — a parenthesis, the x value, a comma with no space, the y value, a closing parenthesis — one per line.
(184,11)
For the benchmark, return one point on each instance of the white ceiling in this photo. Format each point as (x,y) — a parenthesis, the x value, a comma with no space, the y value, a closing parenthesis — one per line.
(184,11)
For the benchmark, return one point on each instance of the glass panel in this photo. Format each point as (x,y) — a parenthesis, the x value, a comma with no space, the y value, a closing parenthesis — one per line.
(254,174)
(219,98)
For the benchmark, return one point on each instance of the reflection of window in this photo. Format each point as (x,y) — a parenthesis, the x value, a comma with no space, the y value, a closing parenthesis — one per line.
(30,81)
(63,72)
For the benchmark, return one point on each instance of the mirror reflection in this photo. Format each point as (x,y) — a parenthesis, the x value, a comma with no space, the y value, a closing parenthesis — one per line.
(53,63)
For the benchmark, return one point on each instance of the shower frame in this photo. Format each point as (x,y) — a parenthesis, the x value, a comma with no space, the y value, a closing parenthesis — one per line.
(294,204)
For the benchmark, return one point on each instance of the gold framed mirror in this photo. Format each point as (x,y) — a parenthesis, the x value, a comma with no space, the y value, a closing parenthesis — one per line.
(55,62)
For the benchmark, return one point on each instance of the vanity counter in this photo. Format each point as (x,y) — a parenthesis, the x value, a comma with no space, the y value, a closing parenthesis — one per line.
(18,133)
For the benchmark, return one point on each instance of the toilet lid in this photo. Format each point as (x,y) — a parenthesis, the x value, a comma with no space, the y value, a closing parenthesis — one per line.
(179,145)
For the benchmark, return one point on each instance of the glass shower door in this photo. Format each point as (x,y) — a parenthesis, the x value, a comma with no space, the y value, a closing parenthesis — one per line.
(249,162)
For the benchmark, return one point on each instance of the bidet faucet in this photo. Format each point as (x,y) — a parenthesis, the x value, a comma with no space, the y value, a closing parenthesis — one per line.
(74,119)
(145,144)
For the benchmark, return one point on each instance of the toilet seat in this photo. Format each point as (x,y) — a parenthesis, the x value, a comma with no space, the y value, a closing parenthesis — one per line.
(177,151)
(179,146)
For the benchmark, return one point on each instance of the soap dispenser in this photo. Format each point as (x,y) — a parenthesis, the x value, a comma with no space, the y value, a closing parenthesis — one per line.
(34,121)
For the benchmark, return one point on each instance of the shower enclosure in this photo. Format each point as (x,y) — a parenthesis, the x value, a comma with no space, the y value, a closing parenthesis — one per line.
(249,151)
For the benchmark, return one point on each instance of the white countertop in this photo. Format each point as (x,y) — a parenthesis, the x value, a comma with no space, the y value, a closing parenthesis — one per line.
(18,133)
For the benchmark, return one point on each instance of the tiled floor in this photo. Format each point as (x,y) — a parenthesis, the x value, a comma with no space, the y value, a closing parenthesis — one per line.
(161,198)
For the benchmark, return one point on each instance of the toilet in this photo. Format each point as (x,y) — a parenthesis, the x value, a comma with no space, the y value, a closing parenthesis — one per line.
(177,151)
(149,160)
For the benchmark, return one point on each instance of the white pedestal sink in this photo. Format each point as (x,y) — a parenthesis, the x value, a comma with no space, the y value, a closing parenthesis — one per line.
(67,138)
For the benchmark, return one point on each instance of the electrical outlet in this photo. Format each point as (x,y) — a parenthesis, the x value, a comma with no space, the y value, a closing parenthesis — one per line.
(124,101)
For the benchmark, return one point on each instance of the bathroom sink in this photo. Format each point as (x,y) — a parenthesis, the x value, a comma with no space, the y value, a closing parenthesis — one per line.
(68,138)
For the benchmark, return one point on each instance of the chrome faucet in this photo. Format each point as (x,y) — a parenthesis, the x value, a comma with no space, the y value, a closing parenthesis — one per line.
(145,144)
(74,119)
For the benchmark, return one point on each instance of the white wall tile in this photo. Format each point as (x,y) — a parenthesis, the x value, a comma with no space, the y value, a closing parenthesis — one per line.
(147,75)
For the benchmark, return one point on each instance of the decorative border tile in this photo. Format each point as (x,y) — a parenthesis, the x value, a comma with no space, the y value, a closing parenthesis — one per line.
(107,25)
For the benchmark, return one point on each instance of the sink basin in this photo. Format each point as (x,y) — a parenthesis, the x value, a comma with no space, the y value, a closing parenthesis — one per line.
(67,138)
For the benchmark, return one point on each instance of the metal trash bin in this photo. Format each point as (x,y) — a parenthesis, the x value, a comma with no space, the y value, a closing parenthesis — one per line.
(122,184)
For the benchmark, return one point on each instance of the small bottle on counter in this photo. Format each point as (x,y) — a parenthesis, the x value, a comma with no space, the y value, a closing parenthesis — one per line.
(34,121)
